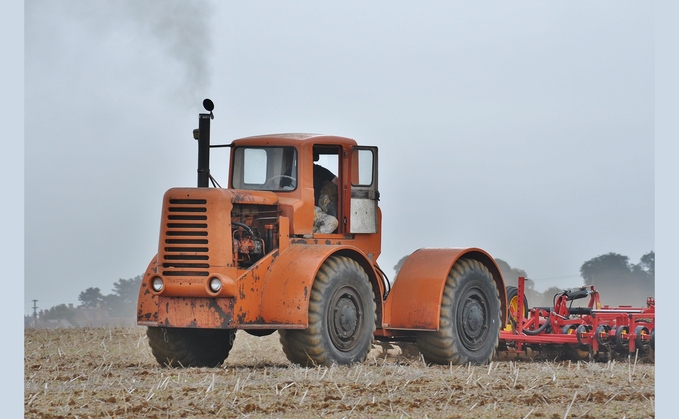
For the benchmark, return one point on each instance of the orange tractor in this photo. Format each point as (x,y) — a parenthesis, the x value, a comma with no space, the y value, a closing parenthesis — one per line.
(285,249)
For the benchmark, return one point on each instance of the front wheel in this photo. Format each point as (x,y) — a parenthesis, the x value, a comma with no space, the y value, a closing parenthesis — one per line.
(179,347)
(469,323)
(341,317)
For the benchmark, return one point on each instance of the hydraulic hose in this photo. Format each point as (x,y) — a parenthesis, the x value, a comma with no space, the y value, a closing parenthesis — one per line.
(539,329)
(245,226)
(385,280)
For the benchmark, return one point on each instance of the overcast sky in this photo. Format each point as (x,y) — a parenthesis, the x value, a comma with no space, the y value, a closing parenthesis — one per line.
(523,128)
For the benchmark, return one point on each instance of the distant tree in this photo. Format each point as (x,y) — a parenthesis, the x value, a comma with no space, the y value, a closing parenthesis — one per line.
(91,297)
(647,263)
(618,281)
(511,275)
(123,301)
(611,268)
(127,289)
(644,272)
(60,311)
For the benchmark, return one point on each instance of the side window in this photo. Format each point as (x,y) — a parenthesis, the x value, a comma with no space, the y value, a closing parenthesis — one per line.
(364,215)
(363,175)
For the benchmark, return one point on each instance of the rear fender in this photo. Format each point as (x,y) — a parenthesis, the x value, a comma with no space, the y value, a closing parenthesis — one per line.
(415,298)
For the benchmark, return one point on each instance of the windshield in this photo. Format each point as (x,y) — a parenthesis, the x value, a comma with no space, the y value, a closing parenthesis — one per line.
(265,168)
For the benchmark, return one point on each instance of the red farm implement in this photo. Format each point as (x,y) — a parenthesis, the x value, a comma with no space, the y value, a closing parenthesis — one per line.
(582,332)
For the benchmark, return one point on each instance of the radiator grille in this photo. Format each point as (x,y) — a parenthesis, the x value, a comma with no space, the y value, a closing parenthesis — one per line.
(185,245)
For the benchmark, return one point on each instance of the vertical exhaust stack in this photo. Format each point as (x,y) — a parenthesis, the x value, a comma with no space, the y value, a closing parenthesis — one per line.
(203,137)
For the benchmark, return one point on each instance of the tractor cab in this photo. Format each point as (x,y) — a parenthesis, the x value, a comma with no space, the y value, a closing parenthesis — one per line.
(325,184)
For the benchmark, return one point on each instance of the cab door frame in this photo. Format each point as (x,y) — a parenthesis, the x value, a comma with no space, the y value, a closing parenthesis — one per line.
(363,213)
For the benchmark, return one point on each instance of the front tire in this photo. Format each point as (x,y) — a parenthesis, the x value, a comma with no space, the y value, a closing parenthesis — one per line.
(341,317)
(469,323)
(179,347)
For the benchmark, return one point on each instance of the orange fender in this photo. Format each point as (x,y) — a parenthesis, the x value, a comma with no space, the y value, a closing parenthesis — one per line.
(287,286)
(273,294)
(415,298)
(147,302)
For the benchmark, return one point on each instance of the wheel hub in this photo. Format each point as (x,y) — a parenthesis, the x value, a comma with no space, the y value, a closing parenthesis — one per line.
(473,317)
(472,320)
(345,319)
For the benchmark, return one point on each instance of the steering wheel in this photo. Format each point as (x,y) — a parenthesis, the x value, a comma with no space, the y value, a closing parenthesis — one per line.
(272,181)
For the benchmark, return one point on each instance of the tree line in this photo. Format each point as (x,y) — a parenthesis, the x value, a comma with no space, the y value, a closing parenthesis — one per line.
(121,303)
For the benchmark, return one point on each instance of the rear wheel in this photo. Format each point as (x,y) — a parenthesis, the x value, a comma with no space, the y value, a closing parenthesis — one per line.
(469,324)
(341,317)
(179,347)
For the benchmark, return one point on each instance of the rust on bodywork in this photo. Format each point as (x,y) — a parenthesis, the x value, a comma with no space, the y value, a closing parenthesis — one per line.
(212,313)
(274,293)
(147,301)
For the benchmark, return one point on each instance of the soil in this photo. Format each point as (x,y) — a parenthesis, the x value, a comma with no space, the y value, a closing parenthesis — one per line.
(110,373)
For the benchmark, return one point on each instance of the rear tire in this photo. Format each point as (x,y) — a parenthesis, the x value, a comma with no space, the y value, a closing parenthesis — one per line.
(469,324)
(341,317)
(179,347)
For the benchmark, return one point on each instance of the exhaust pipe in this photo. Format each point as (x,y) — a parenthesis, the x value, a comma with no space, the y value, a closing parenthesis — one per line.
(202,134)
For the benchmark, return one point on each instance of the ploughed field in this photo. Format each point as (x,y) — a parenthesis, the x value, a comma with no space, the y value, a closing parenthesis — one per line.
(110,373)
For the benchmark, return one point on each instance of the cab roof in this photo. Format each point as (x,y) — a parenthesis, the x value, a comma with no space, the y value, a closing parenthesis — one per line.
(293,139)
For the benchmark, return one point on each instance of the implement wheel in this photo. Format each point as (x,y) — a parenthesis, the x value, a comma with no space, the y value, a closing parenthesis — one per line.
(639,341)
(513,305)
(178,347)
(622,339)
(341,317)
(577,352)
(469,323)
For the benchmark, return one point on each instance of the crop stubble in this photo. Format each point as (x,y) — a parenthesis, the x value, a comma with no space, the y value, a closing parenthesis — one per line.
(110,372)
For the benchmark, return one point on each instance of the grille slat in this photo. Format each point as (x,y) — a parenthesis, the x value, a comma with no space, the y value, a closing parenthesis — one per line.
(186,251)
(183,225)
(187,265)
(186,209)
(185,273)
(186,241)
(186,233)
(188,201)
(186,257)
(187,217)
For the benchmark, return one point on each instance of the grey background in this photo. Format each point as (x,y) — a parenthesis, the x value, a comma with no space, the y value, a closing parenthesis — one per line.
(524,128)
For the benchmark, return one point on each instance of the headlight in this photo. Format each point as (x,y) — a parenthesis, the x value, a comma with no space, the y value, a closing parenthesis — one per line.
(157,284)
(215,285)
